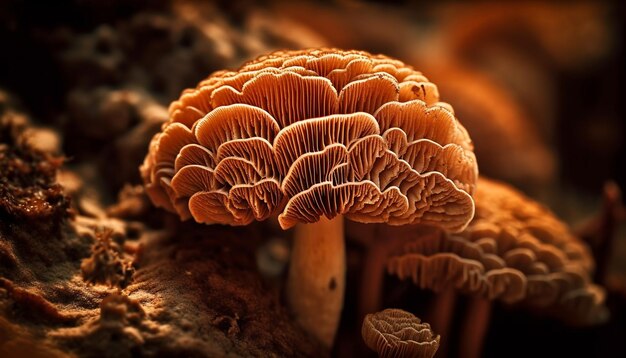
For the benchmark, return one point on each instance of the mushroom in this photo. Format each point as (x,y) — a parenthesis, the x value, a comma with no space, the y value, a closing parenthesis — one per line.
(473,28)
(397,333)
(514,250)
(509,145)
(313,136)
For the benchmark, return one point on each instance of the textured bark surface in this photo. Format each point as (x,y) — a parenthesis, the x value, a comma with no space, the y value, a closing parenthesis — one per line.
(196,290)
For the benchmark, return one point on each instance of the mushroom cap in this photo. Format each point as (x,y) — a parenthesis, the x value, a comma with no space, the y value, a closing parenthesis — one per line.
(310,133)
(514,250)
(397,333)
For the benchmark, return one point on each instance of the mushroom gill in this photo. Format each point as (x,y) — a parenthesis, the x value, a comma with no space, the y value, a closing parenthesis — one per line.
(514,250)
(397,333)
(311,135)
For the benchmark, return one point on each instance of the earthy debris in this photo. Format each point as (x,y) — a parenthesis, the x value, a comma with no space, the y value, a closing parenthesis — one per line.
(107,264)
(27,185)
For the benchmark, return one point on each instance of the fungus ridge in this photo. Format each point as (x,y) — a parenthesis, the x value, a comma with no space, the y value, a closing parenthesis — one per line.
(397,333)
(501,256)
(317,126)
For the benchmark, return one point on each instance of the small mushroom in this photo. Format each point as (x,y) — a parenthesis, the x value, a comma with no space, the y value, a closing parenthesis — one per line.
(313,136)
(397,333)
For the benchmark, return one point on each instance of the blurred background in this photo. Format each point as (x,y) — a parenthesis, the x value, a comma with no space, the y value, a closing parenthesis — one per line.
(538,84)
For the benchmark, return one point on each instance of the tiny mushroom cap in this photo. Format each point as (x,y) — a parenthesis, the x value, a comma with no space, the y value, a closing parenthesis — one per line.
(514,250)
(397,333)
(311,136)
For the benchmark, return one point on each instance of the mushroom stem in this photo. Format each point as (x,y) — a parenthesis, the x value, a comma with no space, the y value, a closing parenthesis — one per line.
(608,222)
(375,262)
(316,282)
(441,314)
(372,280)
(475,325)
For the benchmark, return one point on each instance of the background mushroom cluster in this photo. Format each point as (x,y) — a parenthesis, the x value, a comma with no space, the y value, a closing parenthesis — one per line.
(88,264)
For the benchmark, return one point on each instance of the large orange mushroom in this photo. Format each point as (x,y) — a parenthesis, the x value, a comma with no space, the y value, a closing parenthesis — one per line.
(312,136)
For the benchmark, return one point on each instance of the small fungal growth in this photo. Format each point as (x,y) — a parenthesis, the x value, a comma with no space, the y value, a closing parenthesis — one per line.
(312,136)
(397,333)
(106,265)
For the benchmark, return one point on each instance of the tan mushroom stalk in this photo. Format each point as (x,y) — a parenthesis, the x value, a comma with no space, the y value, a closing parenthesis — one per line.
(316,281)
(314,136)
